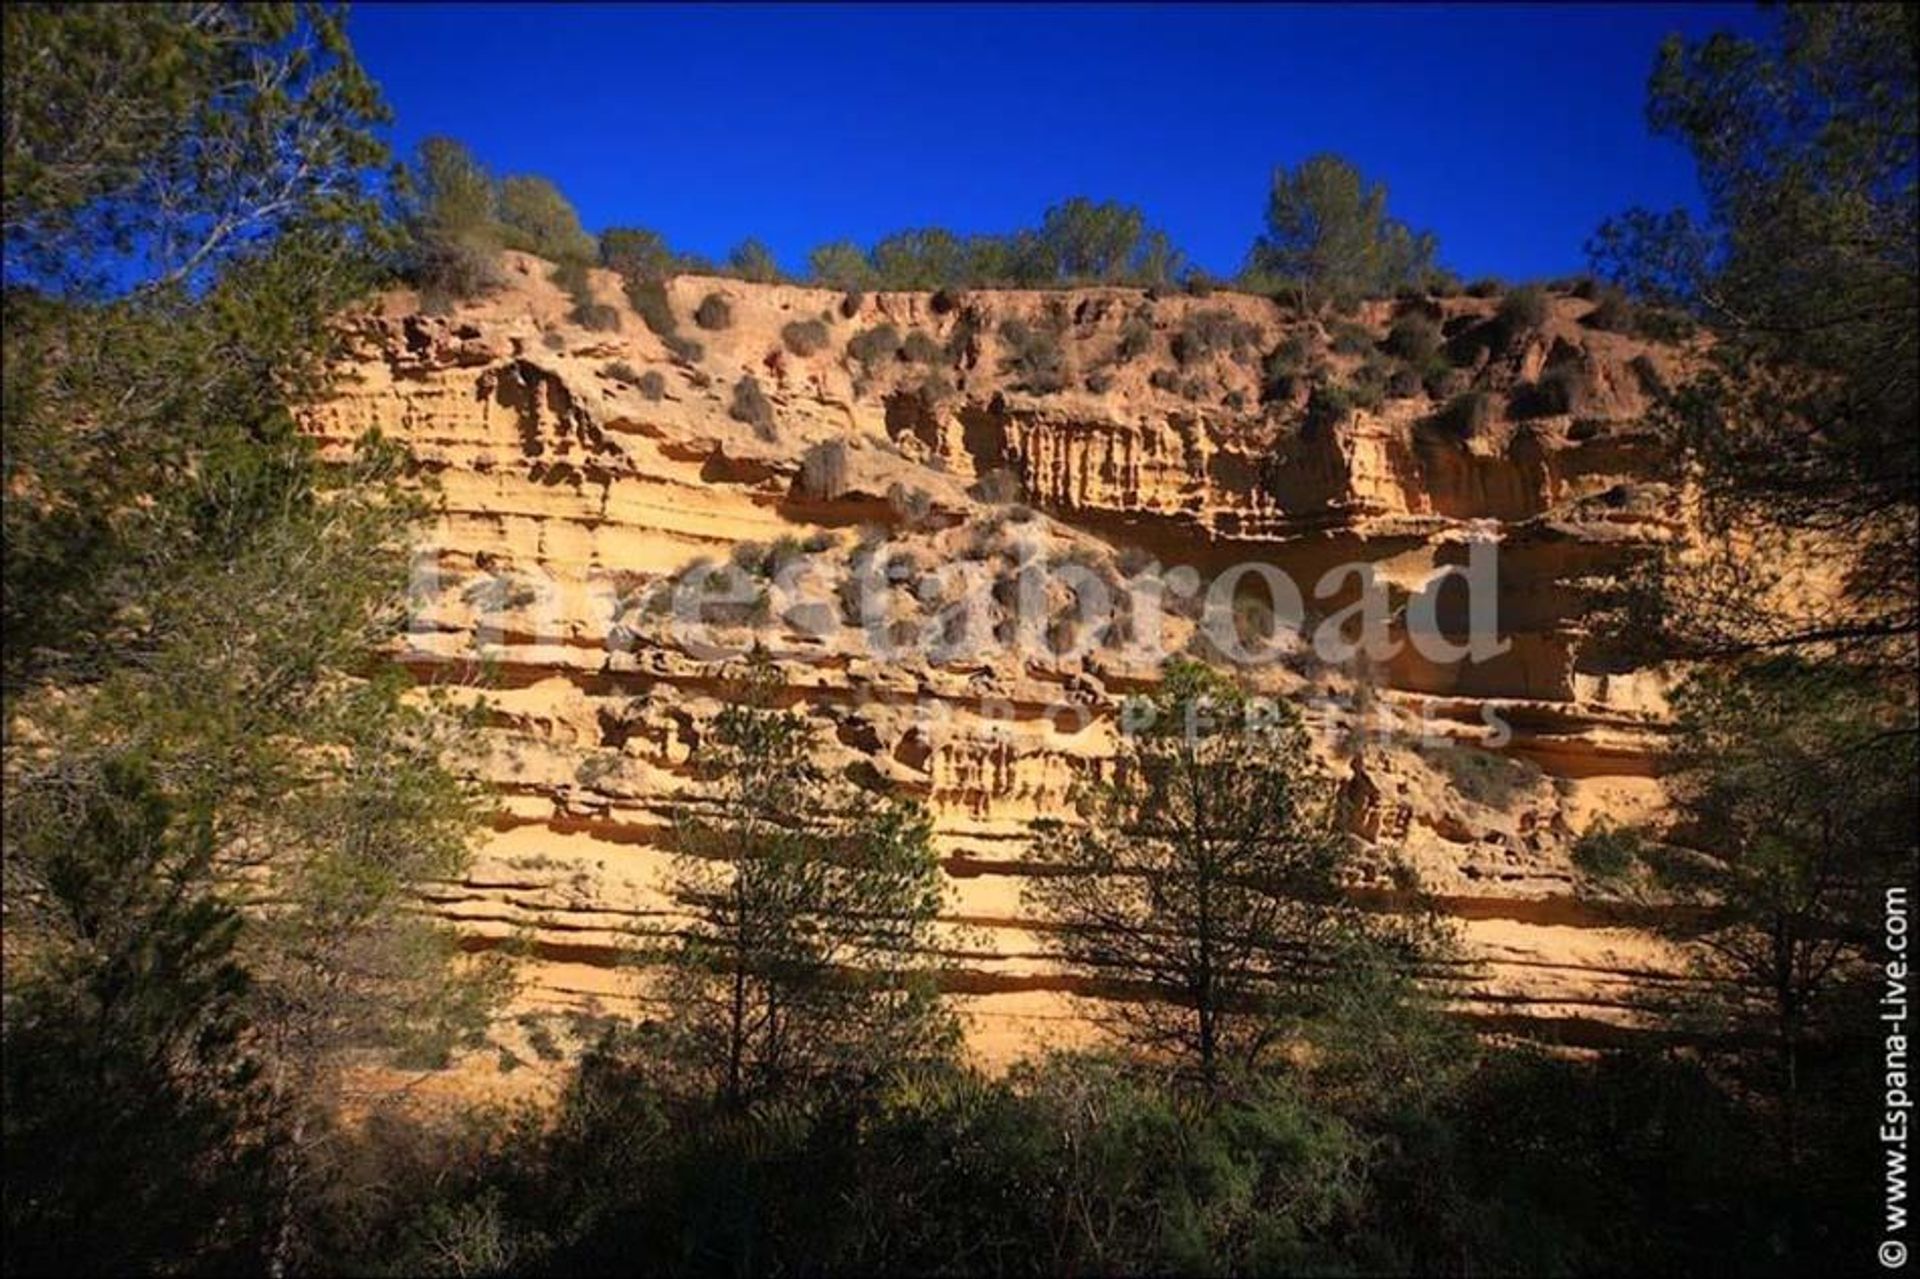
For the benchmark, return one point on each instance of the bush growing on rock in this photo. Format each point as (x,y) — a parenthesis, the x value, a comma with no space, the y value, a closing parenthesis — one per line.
(713,313)
(912,506)
(1414,338)
(455,235)
(598,317)
(683,349)
(750,405)
(1032,357)
(1136,339)
(1521,312)
(1328,406)
(876,345)
(918,348)
(1442,382)
(1287,366)
(804,337)
(1215,331)
(648,298)
(1465,415)
(823,471)
(1351,339)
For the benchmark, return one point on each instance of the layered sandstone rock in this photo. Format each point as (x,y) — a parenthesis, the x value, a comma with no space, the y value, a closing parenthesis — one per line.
(579,475)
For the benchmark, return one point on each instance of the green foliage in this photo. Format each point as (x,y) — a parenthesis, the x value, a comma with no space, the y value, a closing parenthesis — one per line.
(536,218)
(1329,239)
(1793,785)
(1613,312)
(841,265)
(1351,339)
(1806,135)
(683,349)
(920,259)
(752,260)
(1647,374)
(155,146)
(575,276)
(1136,339)
(811,915)
(1086,241)
(1204,879)
(641,254)
(1287,366)
(128,1088)
(456,238)
(1414,338)
(192,599)
(823,471)
(1079,241)
(1329,405)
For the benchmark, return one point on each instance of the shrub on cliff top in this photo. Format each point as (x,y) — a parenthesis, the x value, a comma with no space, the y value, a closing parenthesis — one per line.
(1521,312)
(539,220)
(1330,240)
(753,261)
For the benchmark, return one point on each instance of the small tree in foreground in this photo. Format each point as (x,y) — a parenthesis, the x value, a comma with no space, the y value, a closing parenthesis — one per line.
(1793,789)
(1205,881)
(811,913)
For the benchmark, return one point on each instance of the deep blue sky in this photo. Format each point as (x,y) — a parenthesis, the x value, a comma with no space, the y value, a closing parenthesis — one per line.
(1508,130)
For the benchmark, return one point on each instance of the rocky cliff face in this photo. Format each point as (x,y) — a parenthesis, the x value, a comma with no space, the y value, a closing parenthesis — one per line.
(937,444)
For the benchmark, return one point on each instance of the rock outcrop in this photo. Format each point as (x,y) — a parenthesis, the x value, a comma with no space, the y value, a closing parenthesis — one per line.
(941,443)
